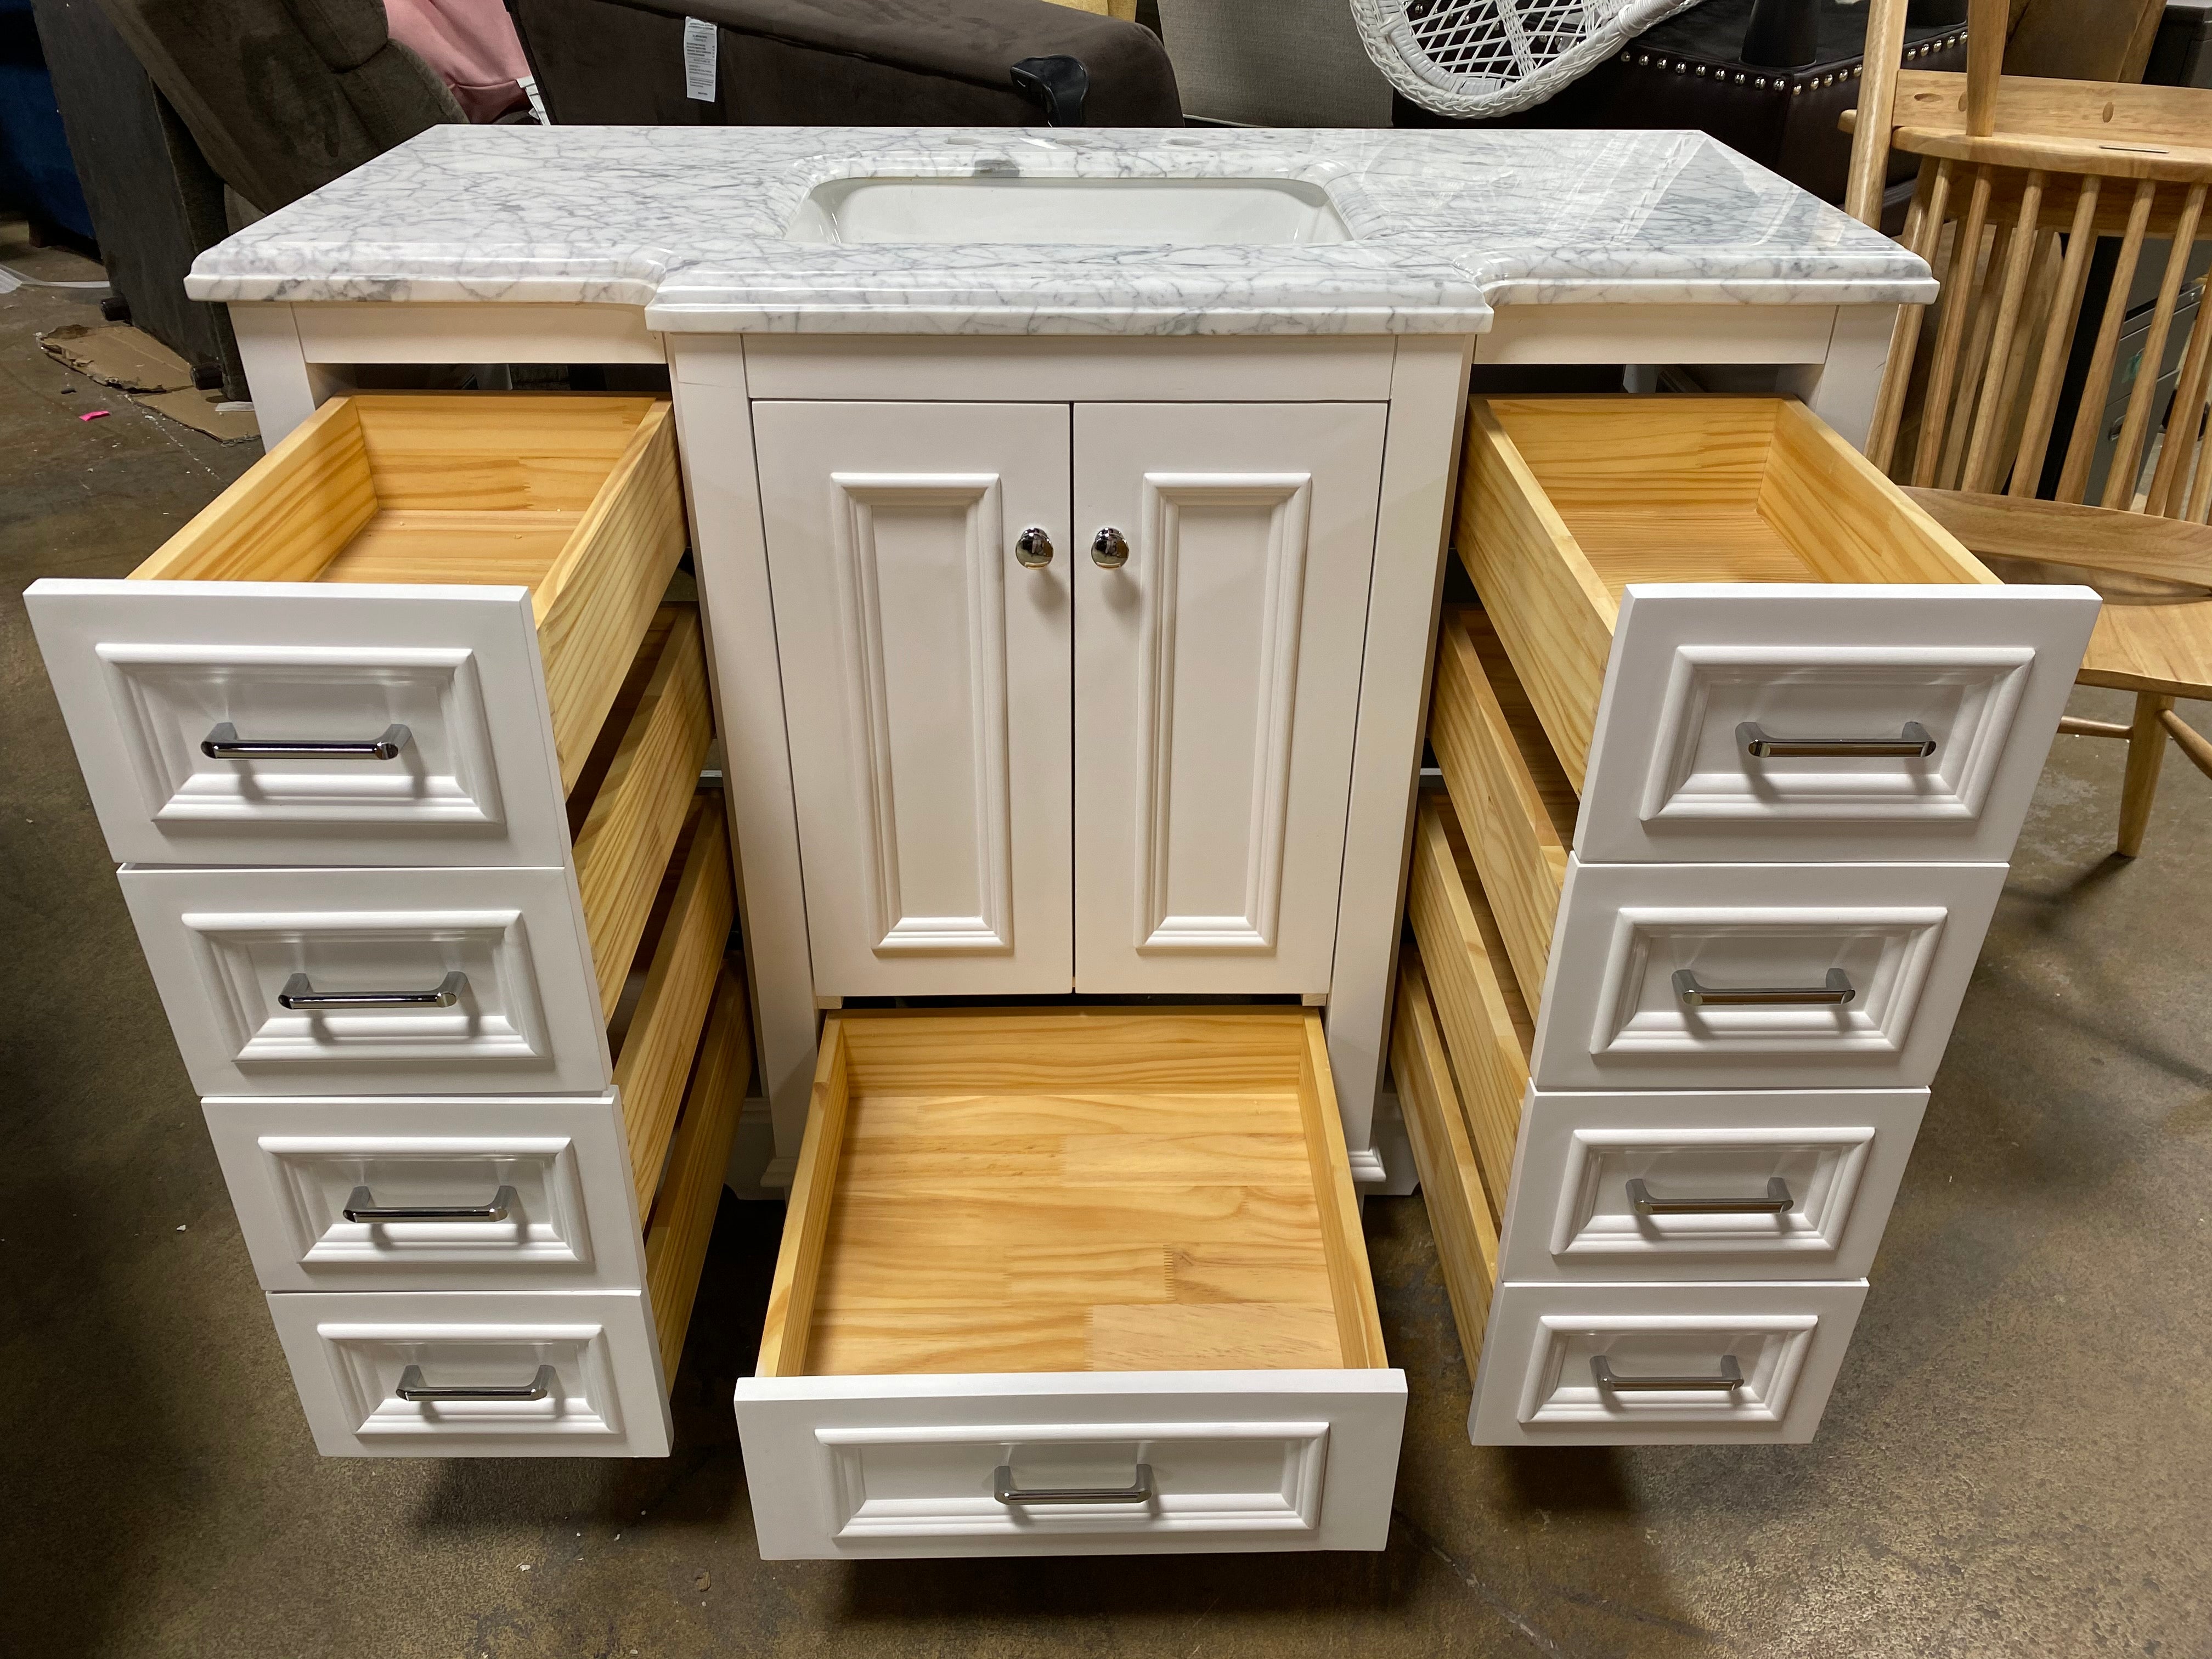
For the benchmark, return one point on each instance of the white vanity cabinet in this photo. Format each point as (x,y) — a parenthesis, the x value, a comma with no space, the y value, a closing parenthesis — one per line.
(1066,616)
(1071,690)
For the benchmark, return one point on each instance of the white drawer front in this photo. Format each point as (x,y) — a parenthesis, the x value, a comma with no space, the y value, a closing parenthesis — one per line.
(1539,1385)
(1901,939)
(1981,674)
(554,1172)
(225,946)
(588,1360)
(909,1465)
(1575,1212)
(146,671)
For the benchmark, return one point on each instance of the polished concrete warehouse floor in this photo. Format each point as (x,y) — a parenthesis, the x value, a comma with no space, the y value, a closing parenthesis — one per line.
(2018,1460)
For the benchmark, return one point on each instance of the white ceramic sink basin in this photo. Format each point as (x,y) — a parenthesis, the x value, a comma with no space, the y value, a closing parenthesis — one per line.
(1126,212)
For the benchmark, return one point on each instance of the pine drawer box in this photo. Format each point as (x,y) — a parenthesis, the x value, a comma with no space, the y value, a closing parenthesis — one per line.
(512,1279)
(1647,956)
(1815,671)
(1733,753)
(1699,1299)
(393,641)
(1596,1185)
(1060,1282)
(442,979)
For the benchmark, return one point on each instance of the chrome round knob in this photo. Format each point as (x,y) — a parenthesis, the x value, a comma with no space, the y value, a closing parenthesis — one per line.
(1033,549)
(1108,549)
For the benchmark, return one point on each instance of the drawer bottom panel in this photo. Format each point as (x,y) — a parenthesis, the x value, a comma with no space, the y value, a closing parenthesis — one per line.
(462,1374)
(1590,1365)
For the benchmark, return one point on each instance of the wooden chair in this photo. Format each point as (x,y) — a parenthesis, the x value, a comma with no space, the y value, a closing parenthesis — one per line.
(2019,181)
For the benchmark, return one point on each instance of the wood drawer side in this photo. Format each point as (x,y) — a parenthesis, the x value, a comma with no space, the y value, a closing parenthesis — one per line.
(806,1215)
(1487,1031)
(286,516)
(1452,1184)
(1846,520)
(1352,1282)
(684,1213)
(638,808)
(597,602)
(1509,792)
(1554,614)
(662,1035)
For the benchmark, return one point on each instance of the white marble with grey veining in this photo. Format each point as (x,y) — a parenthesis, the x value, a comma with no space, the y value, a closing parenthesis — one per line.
(689,222)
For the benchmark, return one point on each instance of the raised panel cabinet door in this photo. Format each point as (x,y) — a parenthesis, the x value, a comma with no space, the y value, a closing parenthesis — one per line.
(1216,684)
(925,677)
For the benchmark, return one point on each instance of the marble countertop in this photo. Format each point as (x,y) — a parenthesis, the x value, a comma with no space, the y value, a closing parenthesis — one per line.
(689,222)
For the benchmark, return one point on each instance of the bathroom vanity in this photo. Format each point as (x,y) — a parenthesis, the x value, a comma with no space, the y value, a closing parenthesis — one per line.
(1070,514)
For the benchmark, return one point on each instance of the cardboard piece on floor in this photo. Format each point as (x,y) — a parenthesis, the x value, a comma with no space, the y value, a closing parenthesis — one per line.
(197,410)
(119,356)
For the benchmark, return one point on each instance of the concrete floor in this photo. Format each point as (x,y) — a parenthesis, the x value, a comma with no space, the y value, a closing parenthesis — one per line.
(2018,1460)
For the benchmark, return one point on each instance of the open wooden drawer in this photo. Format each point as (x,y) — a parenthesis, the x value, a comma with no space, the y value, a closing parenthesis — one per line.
(383,980)
(458,980)
(1539,1201)
(1745,644)
(1698,975)
(393,641)
(578,1181)
(1072,1282)
(551,1327)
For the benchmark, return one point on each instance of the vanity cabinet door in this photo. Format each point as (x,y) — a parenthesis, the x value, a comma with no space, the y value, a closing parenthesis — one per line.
(926,679)
(1217,683)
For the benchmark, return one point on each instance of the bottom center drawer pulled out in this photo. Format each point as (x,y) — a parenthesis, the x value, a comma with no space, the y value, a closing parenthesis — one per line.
(1072,1283)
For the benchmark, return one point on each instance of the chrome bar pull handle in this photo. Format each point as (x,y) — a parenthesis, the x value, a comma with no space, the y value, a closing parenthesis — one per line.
(1109,549)
(1913,743)
(1833,992)
(223,742)
(1730,1379)
(299,995)
(412,1387)
(362,1207)
(1777,1201)
(1033,548)
(1139,1491)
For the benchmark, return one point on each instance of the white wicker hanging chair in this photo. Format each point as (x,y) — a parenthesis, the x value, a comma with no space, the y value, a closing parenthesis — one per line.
(1473,57)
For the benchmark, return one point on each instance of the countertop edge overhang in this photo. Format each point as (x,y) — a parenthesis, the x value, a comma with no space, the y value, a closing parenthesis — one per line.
(687,223)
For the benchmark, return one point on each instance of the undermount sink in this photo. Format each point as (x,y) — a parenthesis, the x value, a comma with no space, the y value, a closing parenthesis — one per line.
(1125,212)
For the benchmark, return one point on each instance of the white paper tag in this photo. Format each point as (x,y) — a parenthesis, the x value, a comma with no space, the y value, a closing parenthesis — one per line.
(698,60)
(529,85)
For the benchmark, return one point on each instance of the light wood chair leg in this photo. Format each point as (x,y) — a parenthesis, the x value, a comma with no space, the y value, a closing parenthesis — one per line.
(2146,752)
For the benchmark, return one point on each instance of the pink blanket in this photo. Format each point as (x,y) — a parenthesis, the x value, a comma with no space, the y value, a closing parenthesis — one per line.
(472,47)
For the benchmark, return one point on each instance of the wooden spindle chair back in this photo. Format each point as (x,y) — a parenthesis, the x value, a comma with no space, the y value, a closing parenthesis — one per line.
(1980,372)
(2019,181)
